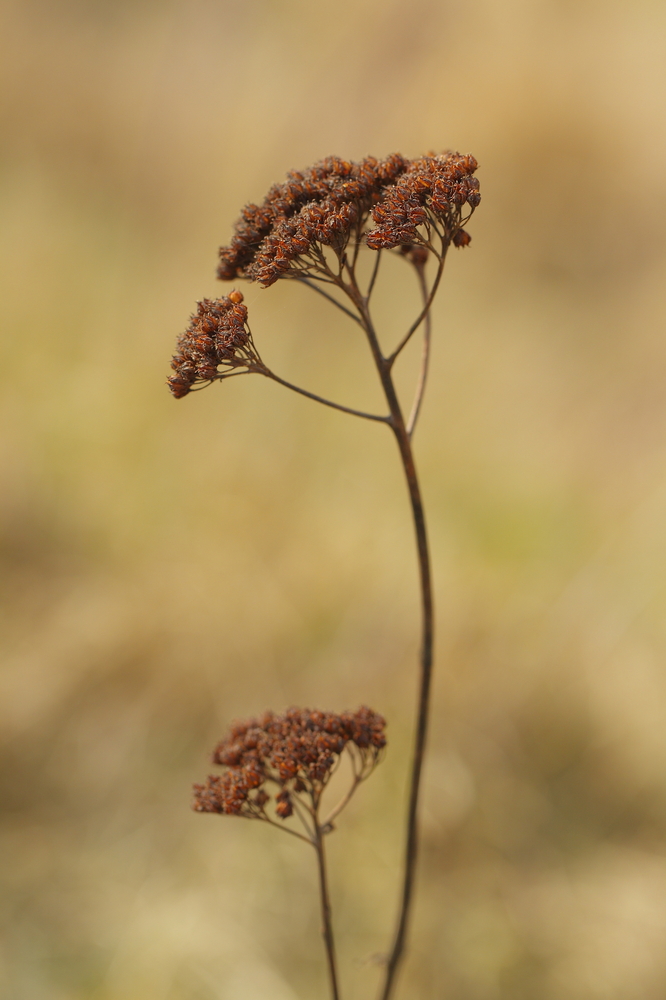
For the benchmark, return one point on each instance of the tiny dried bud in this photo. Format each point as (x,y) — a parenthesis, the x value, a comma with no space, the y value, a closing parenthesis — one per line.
(418,255)
(462,239)
(284,808)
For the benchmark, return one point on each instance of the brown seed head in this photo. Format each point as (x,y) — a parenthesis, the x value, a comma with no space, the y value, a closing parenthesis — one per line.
(433,189)
(217,337)
(296,751)
(332,202)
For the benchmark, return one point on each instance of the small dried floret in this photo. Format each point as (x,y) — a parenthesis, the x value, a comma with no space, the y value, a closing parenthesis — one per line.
(217,336)
(417,254)
(284,808)
(295,751)
(462,239)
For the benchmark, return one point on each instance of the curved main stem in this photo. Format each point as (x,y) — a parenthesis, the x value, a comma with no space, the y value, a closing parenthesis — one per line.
(398,425)
(426,660)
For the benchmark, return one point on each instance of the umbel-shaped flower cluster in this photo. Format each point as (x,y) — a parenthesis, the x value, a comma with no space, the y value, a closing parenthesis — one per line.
(433,189)
(335,206)
(332,201)
(217,337)
(292,755)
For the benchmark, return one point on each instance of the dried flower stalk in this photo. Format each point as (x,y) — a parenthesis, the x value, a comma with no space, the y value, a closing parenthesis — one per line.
(294,755)
(312,229)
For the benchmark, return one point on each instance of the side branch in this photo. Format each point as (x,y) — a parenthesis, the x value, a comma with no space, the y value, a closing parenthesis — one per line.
(373,276)
(326,402)
(425,359)
(424,312)
(286,829)
(315,288)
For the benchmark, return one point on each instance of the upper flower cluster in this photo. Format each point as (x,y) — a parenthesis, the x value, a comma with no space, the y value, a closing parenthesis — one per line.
(295,751)
(321,204)
(327,204)
(432,189)
(217,334)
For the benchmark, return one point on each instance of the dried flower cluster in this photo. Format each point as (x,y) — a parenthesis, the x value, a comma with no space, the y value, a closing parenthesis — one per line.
(331,204)
(295,752)
(315,228)
(432,190)
(217,336)
(327,204)
(320,205)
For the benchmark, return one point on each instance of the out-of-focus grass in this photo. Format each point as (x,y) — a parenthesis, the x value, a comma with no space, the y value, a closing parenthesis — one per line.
(169,566)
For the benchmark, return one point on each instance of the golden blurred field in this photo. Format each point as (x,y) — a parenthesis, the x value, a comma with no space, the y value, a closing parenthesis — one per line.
(168,566)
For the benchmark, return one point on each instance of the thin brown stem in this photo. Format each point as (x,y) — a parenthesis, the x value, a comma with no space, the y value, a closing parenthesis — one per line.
(327,925)
(373,276)
(425,311)
(425,358)
(347,312)
(427,637)
(285,829)
(326,825)
(297,805)
(399,428)
(326,402)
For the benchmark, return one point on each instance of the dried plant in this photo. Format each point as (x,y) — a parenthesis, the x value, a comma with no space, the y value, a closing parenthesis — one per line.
(296,753)
(313,229)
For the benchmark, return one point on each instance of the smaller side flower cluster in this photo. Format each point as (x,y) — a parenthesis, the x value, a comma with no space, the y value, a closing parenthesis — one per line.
(294,754)
(217,336)
(433,189)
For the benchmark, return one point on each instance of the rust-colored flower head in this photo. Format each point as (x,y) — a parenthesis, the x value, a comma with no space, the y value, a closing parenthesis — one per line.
(432,192)
(313,226)
(216,341)
(294,752)
(321,206)
(333,203)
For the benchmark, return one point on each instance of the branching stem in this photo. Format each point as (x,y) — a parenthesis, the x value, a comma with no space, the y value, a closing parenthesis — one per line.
(425,358)
(285,829)
(373,276)
(326,402)
(424,312)
(315,288)
(341,804)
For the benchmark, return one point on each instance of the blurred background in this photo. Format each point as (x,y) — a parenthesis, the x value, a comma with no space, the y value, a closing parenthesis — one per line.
(170,566)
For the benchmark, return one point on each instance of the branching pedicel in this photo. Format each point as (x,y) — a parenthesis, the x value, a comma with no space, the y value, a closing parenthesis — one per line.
(313,229)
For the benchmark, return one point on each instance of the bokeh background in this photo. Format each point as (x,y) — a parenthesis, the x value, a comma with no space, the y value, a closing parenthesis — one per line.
(169,566)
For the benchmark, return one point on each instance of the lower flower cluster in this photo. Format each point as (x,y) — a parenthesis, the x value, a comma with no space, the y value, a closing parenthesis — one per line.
(294,753)
(217,337)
